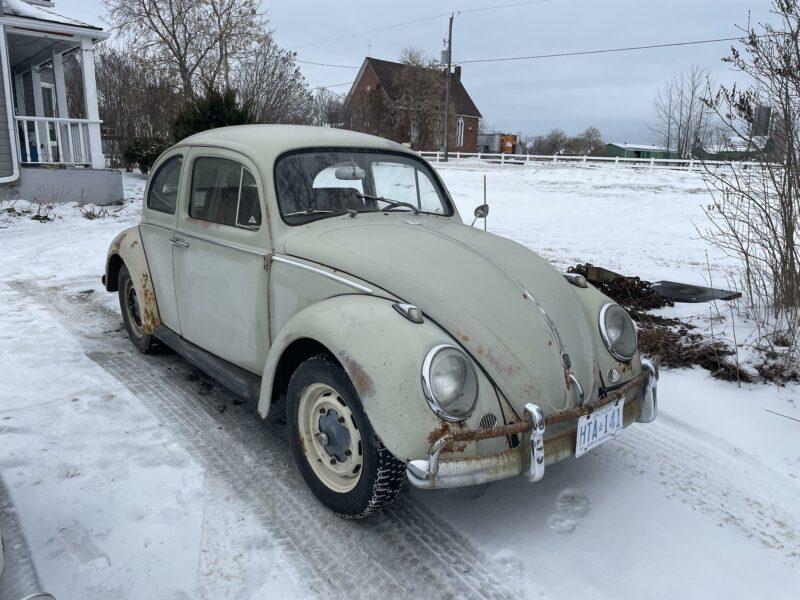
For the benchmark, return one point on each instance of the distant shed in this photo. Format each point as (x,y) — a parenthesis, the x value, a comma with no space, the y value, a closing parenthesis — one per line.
(639,151)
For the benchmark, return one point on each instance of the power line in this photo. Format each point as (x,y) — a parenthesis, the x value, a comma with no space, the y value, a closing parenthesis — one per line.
(414,22)
(324,87)
(605,51)
(319,64)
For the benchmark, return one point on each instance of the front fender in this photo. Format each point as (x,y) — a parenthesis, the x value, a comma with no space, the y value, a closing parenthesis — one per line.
(382,353)
(127,249)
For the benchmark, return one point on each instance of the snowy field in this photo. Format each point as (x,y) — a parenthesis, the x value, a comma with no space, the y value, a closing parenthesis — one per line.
(130,476)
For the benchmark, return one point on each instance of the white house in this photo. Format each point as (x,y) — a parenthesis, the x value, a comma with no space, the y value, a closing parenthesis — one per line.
(43,149)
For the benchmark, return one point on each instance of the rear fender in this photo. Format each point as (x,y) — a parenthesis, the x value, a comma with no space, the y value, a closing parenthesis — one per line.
(382,353)
(127,249)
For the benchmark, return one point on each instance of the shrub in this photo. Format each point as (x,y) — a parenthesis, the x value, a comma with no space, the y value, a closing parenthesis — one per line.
(212,110)
(143,152)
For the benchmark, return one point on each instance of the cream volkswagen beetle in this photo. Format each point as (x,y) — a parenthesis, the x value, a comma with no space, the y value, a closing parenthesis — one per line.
(332,269)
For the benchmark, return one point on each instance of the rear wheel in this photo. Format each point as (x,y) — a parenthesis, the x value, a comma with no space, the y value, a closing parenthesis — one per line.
(340,457)
(131,311)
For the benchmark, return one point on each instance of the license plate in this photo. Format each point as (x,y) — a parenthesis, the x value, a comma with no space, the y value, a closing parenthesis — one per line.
(598,427)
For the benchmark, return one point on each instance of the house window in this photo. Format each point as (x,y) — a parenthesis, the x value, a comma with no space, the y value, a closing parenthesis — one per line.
(460,132)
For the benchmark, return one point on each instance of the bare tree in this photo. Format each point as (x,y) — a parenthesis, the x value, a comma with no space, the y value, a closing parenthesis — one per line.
(136,100)
(754,216)
(587,143)
(327,108)
(550,144)
(200,39)
(416,57)
(684,123)
(418,105)
(268,78)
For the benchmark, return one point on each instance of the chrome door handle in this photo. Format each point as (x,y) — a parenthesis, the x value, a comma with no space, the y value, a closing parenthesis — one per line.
(178,242)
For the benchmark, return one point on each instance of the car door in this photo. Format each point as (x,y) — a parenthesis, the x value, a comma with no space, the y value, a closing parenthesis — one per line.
(222,245)
(157,228)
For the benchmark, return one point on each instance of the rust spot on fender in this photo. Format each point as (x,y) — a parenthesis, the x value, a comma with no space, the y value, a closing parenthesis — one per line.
(134,243)
(364,384)
(118,242)
(150,318)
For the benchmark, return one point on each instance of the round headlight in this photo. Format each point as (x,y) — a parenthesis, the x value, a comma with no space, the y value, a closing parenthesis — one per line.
(618,332)
(449,382)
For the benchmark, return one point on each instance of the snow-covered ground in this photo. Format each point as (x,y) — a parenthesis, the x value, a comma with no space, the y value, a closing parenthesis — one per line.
(130,476)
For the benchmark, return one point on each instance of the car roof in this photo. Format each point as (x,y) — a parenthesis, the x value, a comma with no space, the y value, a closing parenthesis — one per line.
(264,143)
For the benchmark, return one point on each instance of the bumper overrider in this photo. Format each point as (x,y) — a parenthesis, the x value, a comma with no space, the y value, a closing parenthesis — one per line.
(534,452)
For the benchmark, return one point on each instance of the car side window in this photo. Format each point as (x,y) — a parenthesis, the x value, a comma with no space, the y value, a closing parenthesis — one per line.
(224,192)
(163,194)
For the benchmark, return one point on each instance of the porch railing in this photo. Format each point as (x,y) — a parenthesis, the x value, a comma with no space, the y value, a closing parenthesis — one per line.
(50,140)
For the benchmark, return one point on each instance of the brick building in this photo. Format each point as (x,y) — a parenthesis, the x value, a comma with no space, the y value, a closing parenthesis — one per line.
(375,94)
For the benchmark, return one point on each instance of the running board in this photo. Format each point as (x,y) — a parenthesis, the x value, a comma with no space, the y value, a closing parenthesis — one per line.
(240,382)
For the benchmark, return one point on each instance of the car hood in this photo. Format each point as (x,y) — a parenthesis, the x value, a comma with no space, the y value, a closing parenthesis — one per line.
(473,284)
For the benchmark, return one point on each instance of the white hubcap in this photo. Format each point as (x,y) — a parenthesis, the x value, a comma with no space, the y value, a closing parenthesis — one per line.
(330,438)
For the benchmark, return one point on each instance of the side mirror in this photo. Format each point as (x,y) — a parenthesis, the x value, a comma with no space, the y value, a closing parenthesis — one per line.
(481,211)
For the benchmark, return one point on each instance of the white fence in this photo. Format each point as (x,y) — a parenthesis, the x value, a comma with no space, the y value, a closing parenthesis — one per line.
(46,140)
(652,163)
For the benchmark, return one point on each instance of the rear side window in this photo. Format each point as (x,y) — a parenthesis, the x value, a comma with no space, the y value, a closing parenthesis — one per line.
(163,195)
(224,192)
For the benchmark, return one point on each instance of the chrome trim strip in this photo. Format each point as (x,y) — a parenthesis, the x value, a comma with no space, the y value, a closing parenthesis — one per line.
(181,233)
(299,265)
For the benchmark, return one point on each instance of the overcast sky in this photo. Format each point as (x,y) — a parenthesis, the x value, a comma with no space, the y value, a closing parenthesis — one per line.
(612,92)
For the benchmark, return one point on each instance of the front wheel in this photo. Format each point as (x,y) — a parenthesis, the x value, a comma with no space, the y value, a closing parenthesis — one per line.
(340,457)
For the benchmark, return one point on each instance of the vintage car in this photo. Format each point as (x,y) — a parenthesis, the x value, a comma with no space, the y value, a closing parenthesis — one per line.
(329,272)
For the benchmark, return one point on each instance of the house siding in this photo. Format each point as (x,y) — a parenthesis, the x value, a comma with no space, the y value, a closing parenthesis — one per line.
(6,145)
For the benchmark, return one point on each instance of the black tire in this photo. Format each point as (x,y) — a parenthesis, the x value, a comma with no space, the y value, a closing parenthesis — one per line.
(131,317)
(381,475)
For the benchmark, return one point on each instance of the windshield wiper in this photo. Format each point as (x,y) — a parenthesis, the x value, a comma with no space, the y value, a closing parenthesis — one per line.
(319,211)
(392,203)
(309,211)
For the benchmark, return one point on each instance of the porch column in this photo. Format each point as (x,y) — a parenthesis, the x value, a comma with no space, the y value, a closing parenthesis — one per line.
(61,86)
(20,94)
(92,113)
(36,84)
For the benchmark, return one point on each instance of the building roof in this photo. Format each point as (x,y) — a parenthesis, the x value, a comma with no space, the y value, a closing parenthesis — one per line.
(388,73)
(644,147)
(19,8)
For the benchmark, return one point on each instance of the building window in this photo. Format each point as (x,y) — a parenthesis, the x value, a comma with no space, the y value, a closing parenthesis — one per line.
(460,132)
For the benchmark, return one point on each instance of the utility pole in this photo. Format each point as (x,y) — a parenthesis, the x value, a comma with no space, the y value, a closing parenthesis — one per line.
(447,85)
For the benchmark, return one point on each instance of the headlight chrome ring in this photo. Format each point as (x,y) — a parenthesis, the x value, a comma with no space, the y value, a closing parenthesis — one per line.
(623,349)
(446,361)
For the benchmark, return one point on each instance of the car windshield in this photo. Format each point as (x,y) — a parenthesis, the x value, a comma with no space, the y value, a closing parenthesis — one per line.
(326,183)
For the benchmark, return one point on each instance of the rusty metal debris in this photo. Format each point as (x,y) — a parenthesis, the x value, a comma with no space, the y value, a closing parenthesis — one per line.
(632,293)
(636,294)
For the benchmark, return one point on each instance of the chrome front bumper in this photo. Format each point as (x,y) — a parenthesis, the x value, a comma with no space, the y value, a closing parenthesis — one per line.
(532,455)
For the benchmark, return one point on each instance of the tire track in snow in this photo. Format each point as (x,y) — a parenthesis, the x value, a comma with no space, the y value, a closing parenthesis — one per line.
(18,578)
(699,472)
(406,552)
